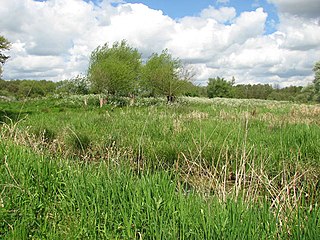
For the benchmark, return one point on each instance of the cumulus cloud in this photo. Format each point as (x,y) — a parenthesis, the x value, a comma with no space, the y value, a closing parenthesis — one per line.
(222,15)
(299,34)
(210,39)
(304,8)
(53,40)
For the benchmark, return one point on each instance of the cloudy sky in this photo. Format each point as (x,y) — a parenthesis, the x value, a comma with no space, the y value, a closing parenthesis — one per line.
(256,41)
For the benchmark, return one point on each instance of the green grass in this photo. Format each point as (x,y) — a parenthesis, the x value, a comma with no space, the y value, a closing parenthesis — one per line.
(198,130)
(47,198)
(196,169)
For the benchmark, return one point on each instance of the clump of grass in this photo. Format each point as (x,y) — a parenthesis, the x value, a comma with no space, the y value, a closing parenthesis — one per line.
(78,142)
(47,135)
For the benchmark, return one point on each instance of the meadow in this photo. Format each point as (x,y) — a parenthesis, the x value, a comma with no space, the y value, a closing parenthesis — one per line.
(194,169)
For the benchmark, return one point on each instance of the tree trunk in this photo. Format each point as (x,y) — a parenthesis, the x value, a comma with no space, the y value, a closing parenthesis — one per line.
(170,99)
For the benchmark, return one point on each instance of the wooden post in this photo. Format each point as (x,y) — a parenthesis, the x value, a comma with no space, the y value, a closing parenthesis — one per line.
(101,102)
(132,100)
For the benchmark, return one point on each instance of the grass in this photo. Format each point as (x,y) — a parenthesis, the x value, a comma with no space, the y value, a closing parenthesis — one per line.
(47,198)
(157,134)
(197,169)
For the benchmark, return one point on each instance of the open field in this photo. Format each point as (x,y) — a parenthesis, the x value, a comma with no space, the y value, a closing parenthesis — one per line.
(195,169)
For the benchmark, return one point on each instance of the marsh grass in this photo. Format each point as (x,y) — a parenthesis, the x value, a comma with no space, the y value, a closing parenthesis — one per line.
(45,134)
(196,169)
(78,142)
(56,198)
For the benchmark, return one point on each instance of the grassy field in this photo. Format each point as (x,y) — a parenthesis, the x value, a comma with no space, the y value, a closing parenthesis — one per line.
(195,169)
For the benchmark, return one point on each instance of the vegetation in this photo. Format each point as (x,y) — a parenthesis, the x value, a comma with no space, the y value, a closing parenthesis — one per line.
(118,71)
(77,85)
(316,81)
(4,45)
(115,70)
(21,89)
(219,87)
(162,75)
(258,91)
(196,169)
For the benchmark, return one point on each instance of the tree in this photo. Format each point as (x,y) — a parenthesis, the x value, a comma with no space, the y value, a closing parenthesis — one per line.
(21,89)
(316,80)
(115,70)
(219,87)
(76,85)
(164,75)
(4,45)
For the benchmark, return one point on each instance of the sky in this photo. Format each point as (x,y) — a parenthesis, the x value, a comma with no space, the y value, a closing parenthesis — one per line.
(273,42)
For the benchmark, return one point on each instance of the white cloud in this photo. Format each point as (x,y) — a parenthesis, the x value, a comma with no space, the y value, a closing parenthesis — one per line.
(304,8)
(145,28)
(299,33)
(199,39)
(222,15)
(53,40)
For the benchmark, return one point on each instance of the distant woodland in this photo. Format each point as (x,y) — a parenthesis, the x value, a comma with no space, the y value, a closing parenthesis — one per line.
(21,89)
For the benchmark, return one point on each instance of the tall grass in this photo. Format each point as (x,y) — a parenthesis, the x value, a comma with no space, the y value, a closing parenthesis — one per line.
(197,169)
(54,198)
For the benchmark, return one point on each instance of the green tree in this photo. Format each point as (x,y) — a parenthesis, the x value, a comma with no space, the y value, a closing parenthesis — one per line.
(316,81)
(4,45)
(76,85)
(164,75)
(21,89)
(256,91)
(307,94)
(219,87)
(115,70)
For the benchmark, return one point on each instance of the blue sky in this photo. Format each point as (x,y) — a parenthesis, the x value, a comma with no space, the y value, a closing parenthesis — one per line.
(256,41)
(182,8)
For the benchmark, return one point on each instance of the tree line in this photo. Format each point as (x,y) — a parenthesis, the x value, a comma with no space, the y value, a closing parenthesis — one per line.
(21,89)
(119,70)
(220,87)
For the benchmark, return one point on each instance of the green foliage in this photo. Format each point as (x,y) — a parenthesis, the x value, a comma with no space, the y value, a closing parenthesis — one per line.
(191,90)
(4,45)
(285,94)
(77,85)
(26,88)
(162,75)
(115,70)
(257,91)
(316,80)
(219,87)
